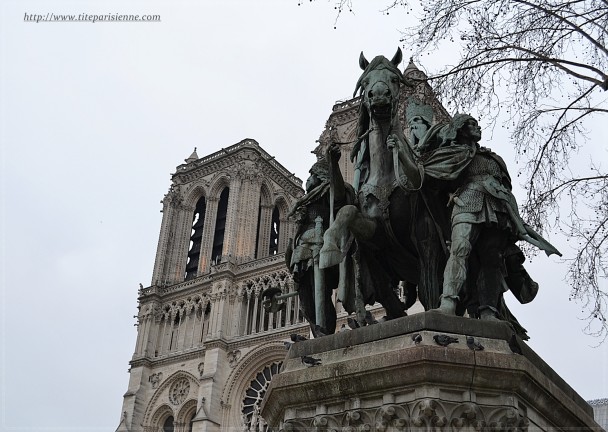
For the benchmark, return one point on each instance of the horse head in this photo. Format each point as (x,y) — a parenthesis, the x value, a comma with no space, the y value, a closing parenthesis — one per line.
(379,85)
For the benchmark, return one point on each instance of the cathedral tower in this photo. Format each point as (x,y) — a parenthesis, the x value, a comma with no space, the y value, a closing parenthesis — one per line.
(206,349)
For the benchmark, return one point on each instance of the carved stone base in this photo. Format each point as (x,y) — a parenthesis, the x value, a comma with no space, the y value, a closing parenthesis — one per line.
(382,378)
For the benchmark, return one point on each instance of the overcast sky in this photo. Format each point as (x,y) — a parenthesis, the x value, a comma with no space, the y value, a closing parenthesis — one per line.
(96,116)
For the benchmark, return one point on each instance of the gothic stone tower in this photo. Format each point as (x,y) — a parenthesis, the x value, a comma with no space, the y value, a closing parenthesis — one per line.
(205,349)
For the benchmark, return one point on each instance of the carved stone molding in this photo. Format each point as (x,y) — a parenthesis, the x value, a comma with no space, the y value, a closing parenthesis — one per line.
(281,279)
(155,379)
(246,271)
(467,416)
(393,418)
(159,402)
(508,420)
(427,415)
(233,357)
(245,151)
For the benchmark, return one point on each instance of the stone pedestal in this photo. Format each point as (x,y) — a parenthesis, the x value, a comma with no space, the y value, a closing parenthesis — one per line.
(378,378)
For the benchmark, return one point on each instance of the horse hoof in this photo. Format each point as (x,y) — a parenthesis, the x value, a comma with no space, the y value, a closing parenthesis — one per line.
(329,256)
(487,315)
(445,311)
(447,306)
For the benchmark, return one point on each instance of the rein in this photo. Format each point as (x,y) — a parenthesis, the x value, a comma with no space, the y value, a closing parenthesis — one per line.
(400,180)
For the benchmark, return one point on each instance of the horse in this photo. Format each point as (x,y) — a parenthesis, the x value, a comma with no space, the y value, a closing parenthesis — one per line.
(390,223)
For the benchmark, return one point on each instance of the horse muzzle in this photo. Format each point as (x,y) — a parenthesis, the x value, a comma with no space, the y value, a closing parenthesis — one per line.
(381,108)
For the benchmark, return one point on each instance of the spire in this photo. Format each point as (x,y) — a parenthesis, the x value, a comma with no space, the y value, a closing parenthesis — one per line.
(412,70)
(193,157)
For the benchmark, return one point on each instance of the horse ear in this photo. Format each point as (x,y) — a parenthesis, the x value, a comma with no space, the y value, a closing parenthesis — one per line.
(396,58)
(363,63)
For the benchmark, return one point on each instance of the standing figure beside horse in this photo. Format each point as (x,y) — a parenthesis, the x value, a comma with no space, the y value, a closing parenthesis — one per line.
(484,260)
(312,214)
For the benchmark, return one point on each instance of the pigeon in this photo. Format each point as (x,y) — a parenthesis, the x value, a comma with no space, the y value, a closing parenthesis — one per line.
(297,338)
(311,361)
(444,340)
(473,344)
(514,345)
(352,323)
(369,318)
(417,338)
(287,345)
(318,331)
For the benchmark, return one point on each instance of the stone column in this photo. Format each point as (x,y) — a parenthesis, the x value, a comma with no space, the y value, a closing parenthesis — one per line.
(164,243)
(218,312)
(209,411)
(247,218)
(208,231)
(235,317)
(230,235)
(284,233)
(179,242)
(264,235)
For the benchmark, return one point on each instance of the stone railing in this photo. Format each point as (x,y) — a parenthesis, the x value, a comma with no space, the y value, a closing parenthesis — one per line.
(342,105)
(262,262)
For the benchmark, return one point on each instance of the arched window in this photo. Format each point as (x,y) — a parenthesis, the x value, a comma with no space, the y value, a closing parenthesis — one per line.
(275,225)
(220,227)
(252,421)
(268,229)
(194,254)
(168,425)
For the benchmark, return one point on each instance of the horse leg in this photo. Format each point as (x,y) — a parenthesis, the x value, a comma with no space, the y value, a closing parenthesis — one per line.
(346,284)
(348,220)
(393,306)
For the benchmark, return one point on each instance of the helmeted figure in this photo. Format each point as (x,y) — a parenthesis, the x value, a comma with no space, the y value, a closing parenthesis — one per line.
(312,214)
(430,223)
(423,134)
